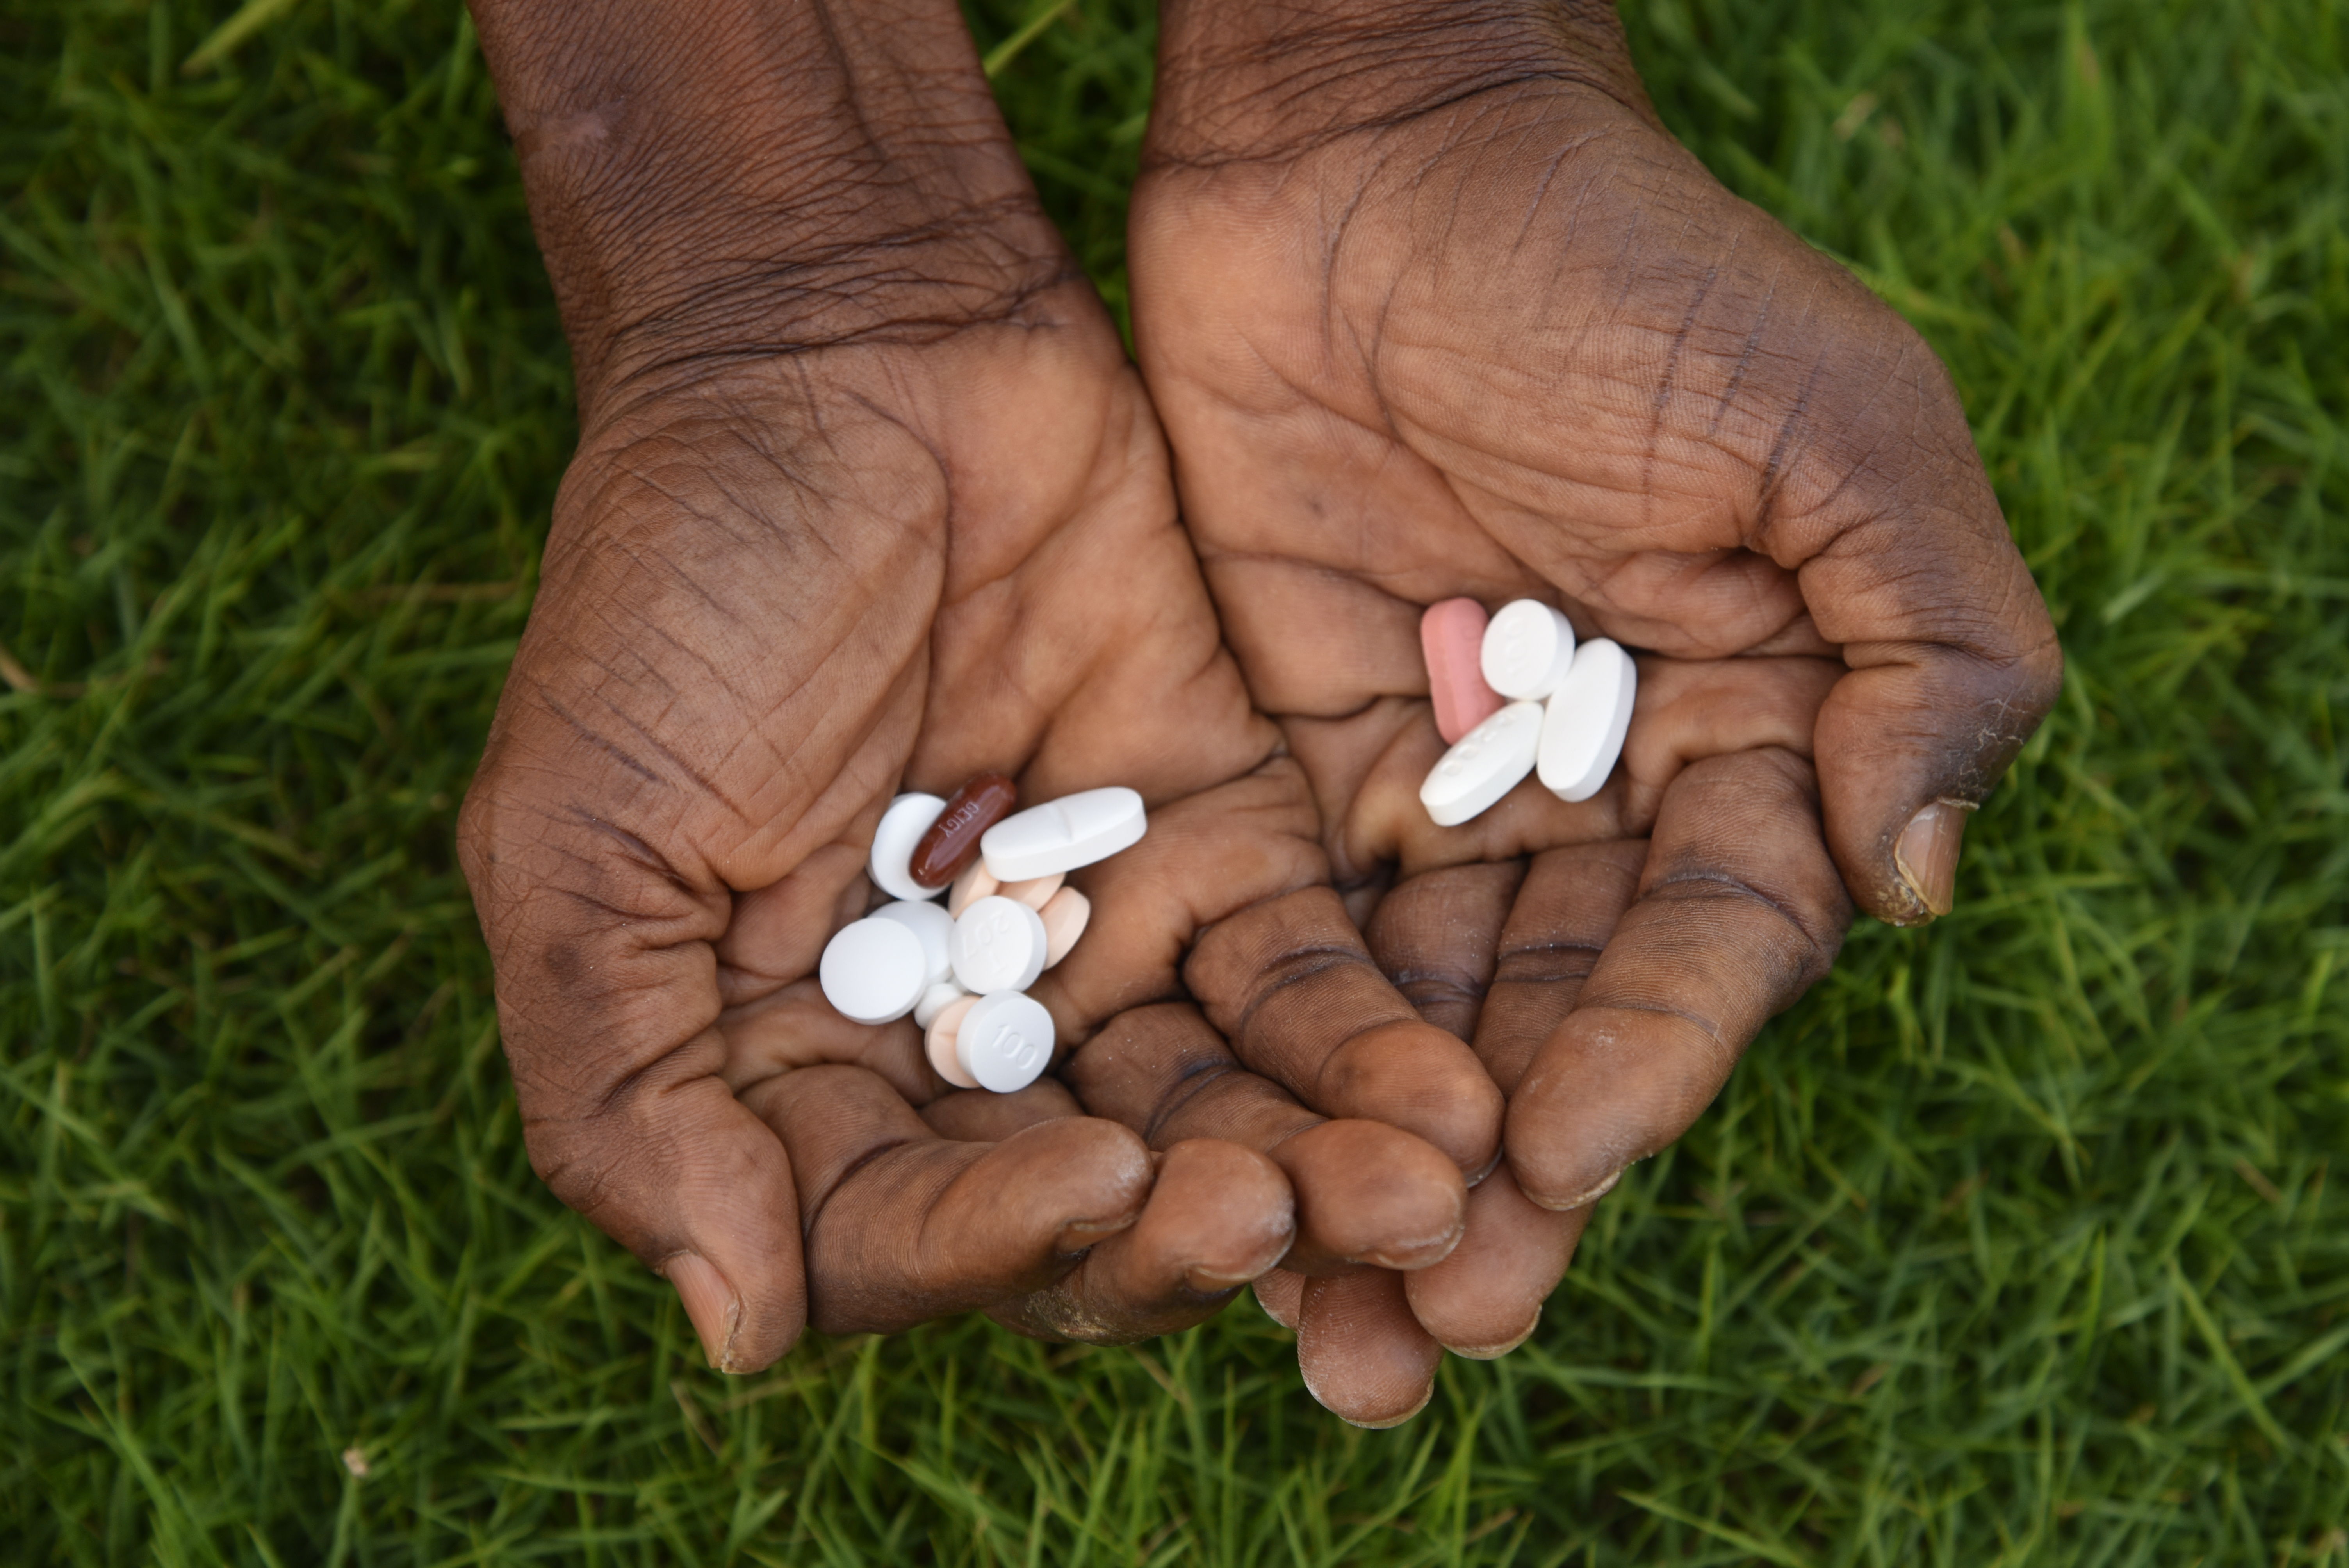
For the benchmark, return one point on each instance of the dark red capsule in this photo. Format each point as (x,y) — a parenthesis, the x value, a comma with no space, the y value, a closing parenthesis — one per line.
(953,838)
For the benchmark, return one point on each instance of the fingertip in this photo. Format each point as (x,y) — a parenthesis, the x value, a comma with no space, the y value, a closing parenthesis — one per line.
(1368,1192)
(715,1311)
(1362,1353)
(1413,1076)
(1282,1293)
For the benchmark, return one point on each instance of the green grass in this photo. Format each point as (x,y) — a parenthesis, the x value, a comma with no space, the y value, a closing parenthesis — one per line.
(2017,1241)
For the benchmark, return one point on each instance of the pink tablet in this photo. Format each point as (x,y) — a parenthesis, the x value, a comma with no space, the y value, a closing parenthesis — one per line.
(1451,635)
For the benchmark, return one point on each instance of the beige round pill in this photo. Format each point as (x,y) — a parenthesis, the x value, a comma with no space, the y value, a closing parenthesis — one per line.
(938,1045)
(1064,915)
(1035,892)
(975,883)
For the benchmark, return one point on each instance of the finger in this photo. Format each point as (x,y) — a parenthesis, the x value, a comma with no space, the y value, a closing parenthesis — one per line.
(1953,663)
(1567,910)
(1366,1192)
(1689,709)
(1290,984)
(902,1226)
(1485,1299)
(1218,1217)
(1433,936)
(1282,1293)
(1739,912)
(979,1116)
(1360,1351)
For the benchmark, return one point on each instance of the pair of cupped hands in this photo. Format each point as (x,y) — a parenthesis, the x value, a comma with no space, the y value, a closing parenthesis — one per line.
(868,497)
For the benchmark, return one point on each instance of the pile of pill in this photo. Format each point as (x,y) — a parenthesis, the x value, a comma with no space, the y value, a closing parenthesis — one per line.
(1514,695)
(963,969)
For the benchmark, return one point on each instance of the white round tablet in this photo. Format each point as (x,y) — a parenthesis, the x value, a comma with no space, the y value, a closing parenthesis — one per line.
(933,925)
(902,826)
(1527,649)
(1063,834)
(1004,1042)
(1484,766)
(998,946)
(1582,733)
(937,1000)
(874,971)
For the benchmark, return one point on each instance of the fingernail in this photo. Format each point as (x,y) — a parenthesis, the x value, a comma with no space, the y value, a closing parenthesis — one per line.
(1926,855)
(1382,1423)
(1495,1352)
(1583,1199)
(711,1303)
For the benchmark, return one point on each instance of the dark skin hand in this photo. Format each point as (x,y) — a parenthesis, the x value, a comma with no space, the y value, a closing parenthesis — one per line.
(868,499)
(1432,304)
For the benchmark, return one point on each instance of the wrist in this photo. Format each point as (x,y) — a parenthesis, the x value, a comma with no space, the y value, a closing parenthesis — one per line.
(1238,79)
(721,178)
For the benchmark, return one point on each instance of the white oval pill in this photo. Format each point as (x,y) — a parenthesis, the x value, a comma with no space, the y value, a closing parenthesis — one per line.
(1582,733)
(874,971)
(937,1000)
(1064,915)
(998,946)
(1005,1041)
(933,925)
(974,885)
(1527,650)
(902,826)
(1063,834)
(938,1045)
(1484,766)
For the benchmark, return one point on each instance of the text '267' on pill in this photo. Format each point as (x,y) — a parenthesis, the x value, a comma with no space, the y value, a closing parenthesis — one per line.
(902,826)
(873,970)
(1061,835)
(1527,651)
(1586,718)
(998,944)
(1486,765)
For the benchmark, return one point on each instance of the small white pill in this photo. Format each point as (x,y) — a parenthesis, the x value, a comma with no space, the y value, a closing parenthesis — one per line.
(938,1044)
(1063,834)
(1064,915)
(1527,649)
(1004,1042)
(937,1000)
(933,925)
(874,971)
(1582,733)
(902,826)
(974,885)
(998,946)
(1486,765)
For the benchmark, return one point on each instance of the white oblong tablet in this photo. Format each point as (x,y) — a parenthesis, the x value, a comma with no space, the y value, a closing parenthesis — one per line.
(933,925)
(1064,915)
(998,946)
(938,1044)
(874,971)
(1063,834)
(1484,766)
(937,1000)
(1582,732)
(1005,1041)
(1529,647)
(902,826)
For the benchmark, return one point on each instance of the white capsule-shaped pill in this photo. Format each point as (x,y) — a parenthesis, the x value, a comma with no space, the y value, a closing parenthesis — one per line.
(972,885)
(874,971)
(1486,765)
(934,1001)
(933,925)
(1005,1041)
(902,826)
(1586,718)
(938,1044)
(1063,834)
(998,946)
(1064,915)
(1529,647)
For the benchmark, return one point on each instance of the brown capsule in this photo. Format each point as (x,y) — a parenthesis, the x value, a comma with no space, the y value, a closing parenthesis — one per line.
(953,838)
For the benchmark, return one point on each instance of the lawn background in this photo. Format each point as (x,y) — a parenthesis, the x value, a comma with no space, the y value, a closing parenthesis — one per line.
(2018,1240)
